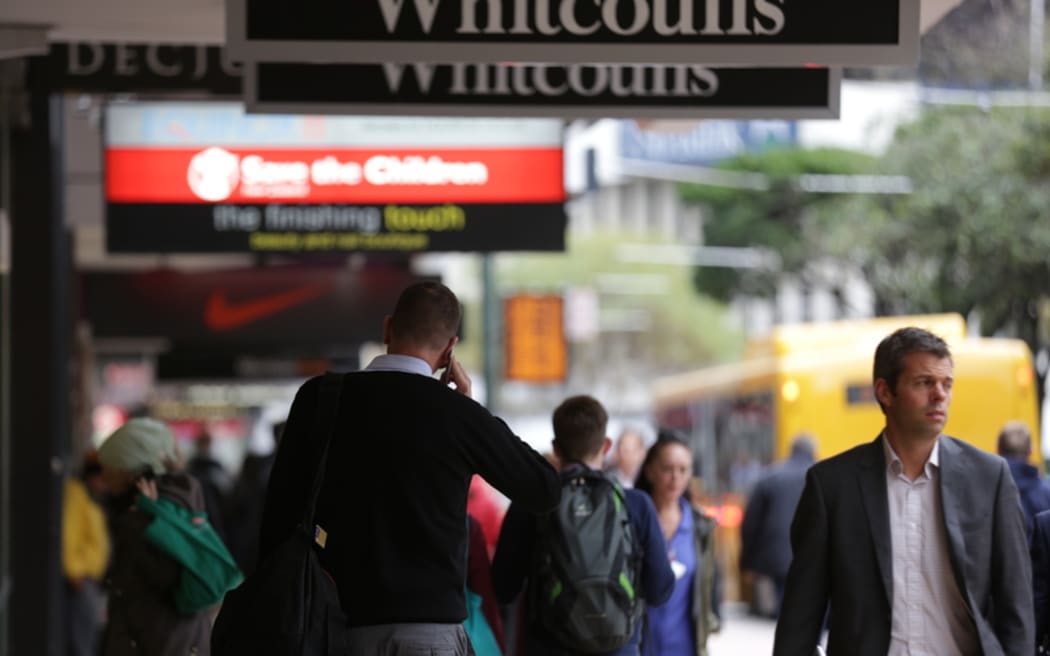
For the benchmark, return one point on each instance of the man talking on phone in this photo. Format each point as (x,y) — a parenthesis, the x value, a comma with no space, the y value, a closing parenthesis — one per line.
(392,509)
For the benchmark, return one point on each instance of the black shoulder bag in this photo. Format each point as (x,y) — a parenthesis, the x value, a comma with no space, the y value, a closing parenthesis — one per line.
(289,605)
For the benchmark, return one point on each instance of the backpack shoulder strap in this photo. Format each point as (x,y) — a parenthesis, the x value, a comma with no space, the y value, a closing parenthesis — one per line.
(327,410)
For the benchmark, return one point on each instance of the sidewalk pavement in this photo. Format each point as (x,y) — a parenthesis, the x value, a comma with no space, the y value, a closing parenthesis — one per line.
(742,634)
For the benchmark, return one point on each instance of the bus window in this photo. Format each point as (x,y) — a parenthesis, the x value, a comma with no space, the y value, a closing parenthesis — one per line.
(860,394)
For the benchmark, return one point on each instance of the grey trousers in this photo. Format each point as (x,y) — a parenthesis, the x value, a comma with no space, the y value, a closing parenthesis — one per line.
(409,640)
(85,612)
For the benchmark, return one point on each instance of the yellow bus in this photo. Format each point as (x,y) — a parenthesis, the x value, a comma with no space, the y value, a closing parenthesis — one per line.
(816,378)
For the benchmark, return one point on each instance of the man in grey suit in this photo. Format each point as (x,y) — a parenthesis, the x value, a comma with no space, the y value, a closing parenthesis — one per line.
(914,543)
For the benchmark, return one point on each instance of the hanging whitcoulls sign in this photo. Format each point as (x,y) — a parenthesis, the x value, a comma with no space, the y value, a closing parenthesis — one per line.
(688,91)
(744,32)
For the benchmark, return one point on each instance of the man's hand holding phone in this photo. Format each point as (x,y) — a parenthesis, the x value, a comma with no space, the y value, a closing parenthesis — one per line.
(455,373)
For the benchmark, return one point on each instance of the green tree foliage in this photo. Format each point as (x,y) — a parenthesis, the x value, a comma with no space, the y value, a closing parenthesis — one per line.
(682,330)
(778,219)
(982,44)
(975,232)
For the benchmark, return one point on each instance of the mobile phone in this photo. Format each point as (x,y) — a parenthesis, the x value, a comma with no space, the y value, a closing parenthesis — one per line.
(446,375)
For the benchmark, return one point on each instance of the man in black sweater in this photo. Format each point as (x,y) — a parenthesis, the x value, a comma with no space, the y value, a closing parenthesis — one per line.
(393,503)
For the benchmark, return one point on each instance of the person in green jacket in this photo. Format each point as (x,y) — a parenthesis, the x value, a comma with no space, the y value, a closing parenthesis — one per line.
(140,459)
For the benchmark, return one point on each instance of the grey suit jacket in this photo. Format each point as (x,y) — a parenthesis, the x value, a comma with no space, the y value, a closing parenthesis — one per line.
(843,554)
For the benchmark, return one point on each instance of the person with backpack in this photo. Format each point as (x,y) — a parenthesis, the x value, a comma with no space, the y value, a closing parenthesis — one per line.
(681,626)
(590,567)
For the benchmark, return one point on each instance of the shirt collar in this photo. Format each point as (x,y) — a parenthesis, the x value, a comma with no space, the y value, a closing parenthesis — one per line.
(408,364)
(896,467)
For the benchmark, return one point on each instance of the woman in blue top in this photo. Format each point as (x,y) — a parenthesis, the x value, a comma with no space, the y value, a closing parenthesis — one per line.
(681,626)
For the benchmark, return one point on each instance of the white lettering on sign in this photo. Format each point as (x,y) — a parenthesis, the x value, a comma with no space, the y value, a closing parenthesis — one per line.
(396,72)
(622,81)
(330,171)
(621,17)
(257,171)
(214,174)
(160,60)
(415,170)
(425,9)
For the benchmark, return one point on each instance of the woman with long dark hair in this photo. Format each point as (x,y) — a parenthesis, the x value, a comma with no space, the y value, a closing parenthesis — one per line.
(681,626)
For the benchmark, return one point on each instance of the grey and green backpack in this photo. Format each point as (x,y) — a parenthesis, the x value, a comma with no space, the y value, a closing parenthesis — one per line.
(585,577)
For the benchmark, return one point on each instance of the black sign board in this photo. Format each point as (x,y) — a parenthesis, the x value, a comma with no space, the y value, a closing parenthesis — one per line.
(242,309)
(316,229)
(127,67)
(750,32)
(557,90)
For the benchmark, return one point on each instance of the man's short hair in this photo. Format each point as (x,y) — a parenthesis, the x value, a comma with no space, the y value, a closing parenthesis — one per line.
(1015,440)
(628,435)
(804,446)
(890,354)
(579,428)
(427,314)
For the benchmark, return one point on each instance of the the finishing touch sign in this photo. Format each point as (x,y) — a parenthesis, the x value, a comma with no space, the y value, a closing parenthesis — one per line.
(203,177)
(746,32)
(557,90)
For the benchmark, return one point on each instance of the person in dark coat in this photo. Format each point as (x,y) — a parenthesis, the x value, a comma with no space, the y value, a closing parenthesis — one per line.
(1015,445)
(766,531)
(1041,578)
(143,621)
(215,483)
(246,504)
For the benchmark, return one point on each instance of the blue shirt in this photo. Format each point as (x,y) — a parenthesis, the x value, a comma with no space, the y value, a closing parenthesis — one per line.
(670,627)
(513,558)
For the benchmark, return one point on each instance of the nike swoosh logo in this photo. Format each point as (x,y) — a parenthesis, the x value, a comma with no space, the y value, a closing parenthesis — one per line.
(221,315)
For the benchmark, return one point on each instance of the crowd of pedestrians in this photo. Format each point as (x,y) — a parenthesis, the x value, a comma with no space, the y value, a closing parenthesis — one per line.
(914,543)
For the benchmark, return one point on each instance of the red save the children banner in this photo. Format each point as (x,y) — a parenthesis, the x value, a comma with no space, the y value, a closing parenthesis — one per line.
(334,175)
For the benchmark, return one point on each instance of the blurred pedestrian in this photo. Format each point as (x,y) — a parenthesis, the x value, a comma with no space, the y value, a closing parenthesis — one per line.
(392,513)
(766,530)
(245,505)
(140,458)
(1041,578)
(1015,445)
(682,625)
(215,482)
(916,540)
(485,506)
(627,458)
(533,550)
(85,557)
(479,582)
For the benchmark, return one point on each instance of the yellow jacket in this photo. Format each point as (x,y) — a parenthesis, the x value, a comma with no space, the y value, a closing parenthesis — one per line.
(85,536)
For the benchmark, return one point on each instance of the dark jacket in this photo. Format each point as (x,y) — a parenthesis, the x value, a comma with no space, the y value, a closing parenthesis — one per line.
(1034,491)
(142,616)
(514,560)
(843,554)
(707,586)
(1041,576)
(394,499)
(766,531)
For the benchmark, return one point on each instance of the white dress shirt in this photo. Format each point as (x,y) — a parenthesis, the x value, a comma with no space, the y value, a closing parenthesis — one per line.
(929,616)
(408,364)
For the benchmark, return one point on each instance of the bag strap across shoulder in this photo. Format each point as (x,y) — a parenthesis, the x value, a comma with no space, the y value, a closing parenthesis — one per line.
(327,410)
